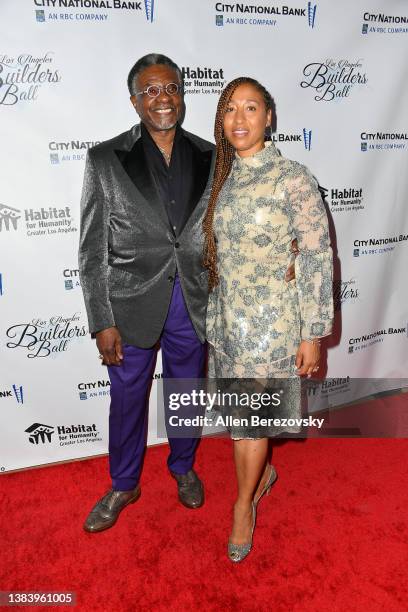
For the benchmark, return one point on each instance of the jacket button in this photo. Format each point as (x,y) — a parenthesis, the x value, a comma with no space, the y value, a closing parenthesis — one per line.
(170,278)
(177,244)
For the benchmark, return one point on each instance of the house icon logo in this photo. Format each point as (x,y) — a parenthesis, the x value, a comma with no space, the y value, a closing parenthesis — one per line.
(8,217)
(39,432)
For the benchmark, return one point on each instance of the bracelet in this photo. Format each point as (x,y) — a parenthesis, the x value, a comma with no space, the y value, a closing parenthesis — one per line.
(313,341)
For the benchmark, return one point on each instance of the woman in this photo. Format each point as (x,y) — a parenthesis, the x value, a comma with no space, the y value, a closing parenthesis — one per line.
(258,325)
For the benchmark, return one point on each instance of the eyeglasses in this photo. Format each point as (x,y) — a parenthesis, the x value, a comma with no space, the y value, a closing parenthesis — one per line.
(153,91)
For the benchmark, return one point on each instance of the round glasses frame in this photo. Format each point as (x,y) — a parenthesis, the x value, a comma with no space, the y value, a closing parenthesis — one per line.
(171,89)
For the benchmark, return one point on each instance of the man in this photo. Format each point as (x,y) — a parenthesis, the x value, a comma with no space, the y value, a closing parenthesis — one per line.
(140,261)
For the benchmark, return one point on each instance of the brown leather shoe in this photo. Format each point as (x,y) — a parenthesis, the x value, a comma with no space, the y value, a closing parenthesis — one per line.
(106,512)
(190,489)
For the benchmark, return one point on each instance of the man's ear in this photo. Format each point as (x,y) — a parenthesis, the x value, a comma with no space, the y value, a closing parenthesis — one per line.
(134,103)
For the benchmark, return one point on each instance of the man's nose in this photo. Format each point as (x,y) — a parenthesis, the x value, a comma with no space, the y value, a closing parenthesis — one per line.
(163,95)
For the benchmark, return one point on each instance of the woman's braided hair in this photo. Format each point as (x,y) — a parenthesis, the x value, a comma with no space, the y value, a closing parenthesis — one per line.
(225,154)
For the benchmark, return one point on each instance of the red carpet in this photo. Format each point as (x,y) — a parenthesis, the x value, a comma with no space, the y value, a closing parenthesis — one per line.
(331,536)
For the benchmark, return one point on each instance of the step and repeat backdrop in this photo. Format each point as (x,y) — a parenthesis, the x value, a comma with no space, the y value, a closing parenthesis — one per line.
(338,72)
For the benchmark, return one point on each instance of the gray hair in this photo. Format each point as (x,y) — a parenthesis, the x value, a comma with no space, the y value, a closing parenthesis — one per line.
(151,59)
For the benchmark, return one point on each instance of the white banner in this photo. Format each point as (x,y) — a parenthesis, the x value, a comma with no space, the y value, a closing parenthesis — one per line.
(338,73)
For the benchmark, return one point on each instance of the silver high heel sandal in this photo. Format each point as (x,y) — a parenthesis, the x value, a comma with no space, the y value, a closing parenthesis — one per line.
(238,552)
(267,487)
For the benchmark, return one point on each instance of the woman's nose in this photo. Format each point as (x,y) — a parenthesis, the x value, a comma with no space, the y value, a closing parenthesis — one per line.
(239,115)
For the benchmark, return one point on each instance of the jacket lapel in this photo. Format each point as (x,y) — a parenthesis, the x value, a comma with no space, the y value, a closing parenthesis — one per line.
(203,162)
(134,163)
(132,160)
(201,173)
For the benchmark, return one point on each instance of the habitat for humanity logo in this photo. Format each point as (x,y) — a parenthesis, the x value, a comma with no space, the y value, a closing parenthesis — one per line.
(333,79)
(367,340)
(203,79)
(39,221)
(82,15)
(243,14)
(45,337)
(71,150)
(378,246)
(383,141)
(23,76)
(8,217)
(48,221)
(90,390)
(344,199)
(329,387)
(384,24)
(16,391)
(38,433)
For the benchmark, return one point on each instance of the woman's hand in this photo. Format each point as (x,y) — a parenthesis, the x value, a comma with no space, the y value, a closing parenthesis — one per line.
(307,358)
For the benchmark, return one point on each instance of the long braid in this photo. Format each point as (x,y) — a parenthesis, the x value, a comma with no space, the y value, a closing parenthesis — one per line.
(223,162)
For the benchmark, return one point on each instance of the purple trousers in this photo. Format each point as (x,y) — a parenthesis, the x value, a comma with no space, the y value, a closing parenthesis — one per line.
(183,356)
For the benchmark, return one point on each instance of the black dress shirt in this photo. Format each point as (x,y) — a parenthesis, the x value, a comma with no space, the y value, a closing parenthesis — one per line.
(174,183)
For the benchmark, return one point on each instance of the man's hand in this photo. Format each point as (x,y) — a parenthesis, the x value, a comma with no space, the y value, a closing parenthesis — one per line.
(290,272)
(307,358)
(109,344)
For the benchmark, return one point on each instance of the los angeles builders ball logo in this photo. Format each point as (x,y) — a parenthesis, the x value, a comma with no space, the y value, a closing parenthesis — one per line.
(333,79)
(46,337)
(24,76)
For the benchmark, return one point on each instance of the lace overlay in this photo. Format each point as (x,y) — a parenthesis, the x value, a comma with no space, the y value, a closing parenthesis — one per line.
(255,319)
